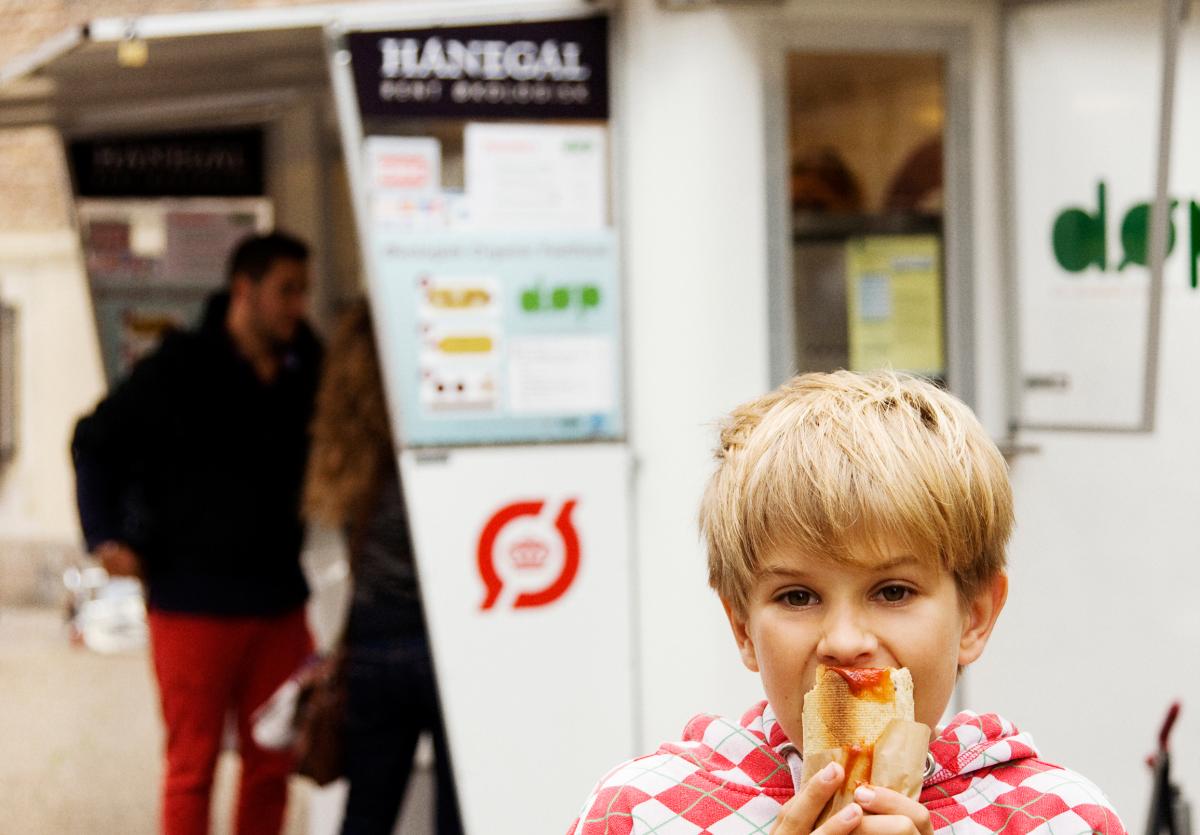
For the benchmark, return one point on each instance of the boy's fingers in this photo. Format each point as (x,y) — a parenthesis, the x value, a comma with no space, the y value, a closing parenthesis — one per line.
(800,813)
(844,822)
(885,825)
(877,800)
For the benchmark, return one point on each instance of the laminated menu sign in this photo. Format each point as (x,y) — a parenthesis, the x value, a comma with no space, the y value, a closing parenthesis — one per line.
(894,295)
(501,337)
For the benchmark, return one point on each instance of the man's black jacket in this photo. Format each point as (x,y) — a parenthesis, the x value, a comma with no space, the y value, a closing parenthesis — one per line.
(198,465)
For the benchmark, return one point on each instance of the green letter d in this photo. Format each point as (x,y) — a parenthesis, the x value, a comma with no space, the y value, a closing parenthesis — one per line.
(1081,239)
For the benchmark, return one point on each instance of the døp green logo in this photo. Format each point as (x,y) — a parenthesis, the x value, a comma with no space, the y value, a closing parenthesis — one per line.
(1080,236)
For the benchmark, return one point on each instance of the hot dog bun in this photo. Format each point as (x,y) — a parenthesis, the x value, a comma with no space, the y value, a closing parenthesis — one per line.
(863,719)
(852,707)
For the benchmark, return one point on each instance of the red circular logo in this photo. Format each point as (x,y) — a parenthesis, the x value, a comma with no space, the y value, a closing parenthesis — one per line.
(528,554)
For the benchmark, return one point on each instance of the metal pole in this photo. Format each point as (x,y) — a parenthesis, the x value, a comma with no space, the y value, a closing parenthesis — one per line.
(1006,189)
(1174,11)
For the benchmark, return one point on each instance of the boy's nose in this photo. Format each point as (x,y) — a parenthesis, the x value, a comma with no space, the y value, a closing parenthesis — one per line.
(846,640)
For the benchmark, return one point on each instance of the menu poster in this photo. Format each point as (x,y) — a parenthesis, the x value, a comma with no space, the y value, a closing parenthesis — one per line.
(111,256)
(502,337)
(130,328)
(167,244)
(894,294)
(537,176)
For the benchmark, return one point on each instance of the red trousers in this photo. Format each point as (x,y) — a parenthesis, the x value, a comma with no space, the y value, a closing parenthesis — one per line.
(209,668)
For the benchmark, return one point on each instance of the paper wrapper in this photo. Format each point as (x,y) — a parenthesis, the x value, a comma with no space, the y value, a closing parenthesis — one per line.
(893,757)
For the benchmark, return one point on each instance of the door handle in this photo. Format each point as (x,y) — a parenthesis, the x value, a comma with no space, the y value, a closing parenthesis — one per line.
(1056,380)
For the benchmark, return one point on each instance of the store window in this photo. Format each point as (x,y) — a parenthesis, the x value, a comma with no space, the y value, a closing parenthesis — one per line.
(866,153)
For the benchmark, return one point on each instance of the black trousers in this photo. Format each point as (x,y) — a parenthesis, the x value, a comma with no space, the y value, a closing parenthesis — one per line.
(391,700)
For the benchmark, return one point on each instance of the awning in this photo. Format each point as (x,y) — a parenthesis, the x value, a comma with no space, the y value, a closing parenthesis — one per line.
(87,81)
(210,68)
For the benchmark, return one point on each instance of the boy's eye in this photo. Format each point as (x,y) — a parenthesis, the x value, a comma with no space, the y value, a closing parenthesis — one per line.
(797,597)
(895,594)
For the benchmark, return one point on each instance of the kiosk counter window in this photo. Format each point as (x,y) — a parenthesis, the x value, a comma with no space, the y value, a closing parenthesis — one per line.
(866,200)
(151,264)
(158,216)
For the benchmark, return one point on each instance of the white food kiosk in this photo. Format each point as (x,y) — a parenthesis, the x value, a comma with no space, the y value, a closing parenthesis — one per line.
(588,230)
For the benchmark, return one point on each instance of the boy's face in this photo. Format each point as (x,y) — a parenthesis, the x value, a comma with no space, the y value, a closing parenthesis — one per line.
(891,611)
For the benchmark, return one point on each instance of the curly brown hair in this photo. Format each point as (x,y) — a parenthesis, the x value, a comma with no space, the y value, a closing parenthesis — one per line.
(351,434)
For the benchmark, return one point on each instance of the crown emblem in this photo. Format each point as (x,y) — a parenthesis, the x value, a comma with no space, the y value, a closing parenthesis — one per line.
(528,554)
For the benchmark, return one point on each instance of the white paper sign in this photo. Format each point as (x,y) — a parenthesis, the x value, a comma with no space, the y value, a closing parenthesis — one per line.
(524,555)
(408,164)
(543,176)
(404,176)
(556,374)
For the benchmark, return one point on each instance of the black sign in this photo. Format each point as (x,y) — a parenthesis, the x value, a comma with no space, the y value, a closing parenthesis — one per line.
(547,70)
(225,164)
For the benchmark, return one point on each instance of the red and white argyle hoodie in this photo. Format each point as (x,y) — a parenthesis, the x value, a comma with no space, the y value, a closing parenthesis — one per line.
(732,779)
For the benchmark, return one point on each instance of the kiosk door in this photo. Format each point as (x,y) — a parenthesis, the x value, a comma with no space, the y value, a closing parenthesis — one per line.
(1103,558)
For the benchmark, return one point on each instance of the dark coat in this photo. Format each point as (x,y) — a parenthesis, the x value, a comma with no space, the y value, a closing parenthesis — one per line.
(198,465)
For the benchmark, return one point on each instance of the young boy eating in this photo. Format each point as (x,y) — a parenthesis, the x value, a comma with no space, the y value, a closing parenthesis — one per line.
(853,521)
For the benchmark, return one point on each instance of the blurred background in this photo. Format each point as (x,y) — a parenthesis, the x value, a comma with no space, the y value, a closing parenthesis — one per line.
(577,266)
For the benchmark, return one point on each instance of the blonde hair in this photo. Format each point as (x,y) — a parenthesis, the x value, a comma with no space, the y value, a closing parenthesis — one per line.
(833,464)
(351,436)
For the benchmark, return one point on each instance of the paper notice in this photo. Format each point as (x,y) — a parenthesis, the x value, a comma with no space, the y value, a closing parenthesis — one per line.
(561,374)
(544,176)
(894,292)
(408,164)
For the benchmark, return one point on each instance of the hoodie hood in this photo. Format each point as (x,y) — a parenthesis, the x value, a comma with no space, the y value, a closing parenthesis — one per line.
(973,741)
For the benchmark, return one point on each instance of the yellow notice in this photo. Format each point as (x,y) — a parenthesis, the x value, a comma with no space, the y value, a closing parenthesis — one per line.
(894,294)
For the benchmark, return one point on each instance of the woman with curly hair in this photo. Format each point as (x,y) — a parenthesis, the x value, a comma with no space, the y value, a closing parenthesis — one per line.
(353,483)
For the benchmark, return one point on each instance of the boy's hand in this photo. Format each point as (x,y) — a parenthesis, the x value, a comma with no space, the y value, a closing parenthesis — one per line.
(800,813)
(891,813)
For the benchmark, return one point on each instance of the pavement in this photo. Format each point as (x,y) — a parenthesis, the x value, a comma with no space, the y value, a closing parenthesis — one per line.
(80,738)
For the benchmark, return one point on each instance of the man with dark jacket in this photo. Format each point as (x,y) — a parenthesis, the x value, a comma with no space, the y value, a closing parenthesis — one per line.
(188,475)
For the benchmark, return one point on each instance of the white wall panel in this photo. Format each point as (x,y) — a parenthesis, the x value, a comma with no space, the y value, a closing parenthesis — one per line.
(524,560)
